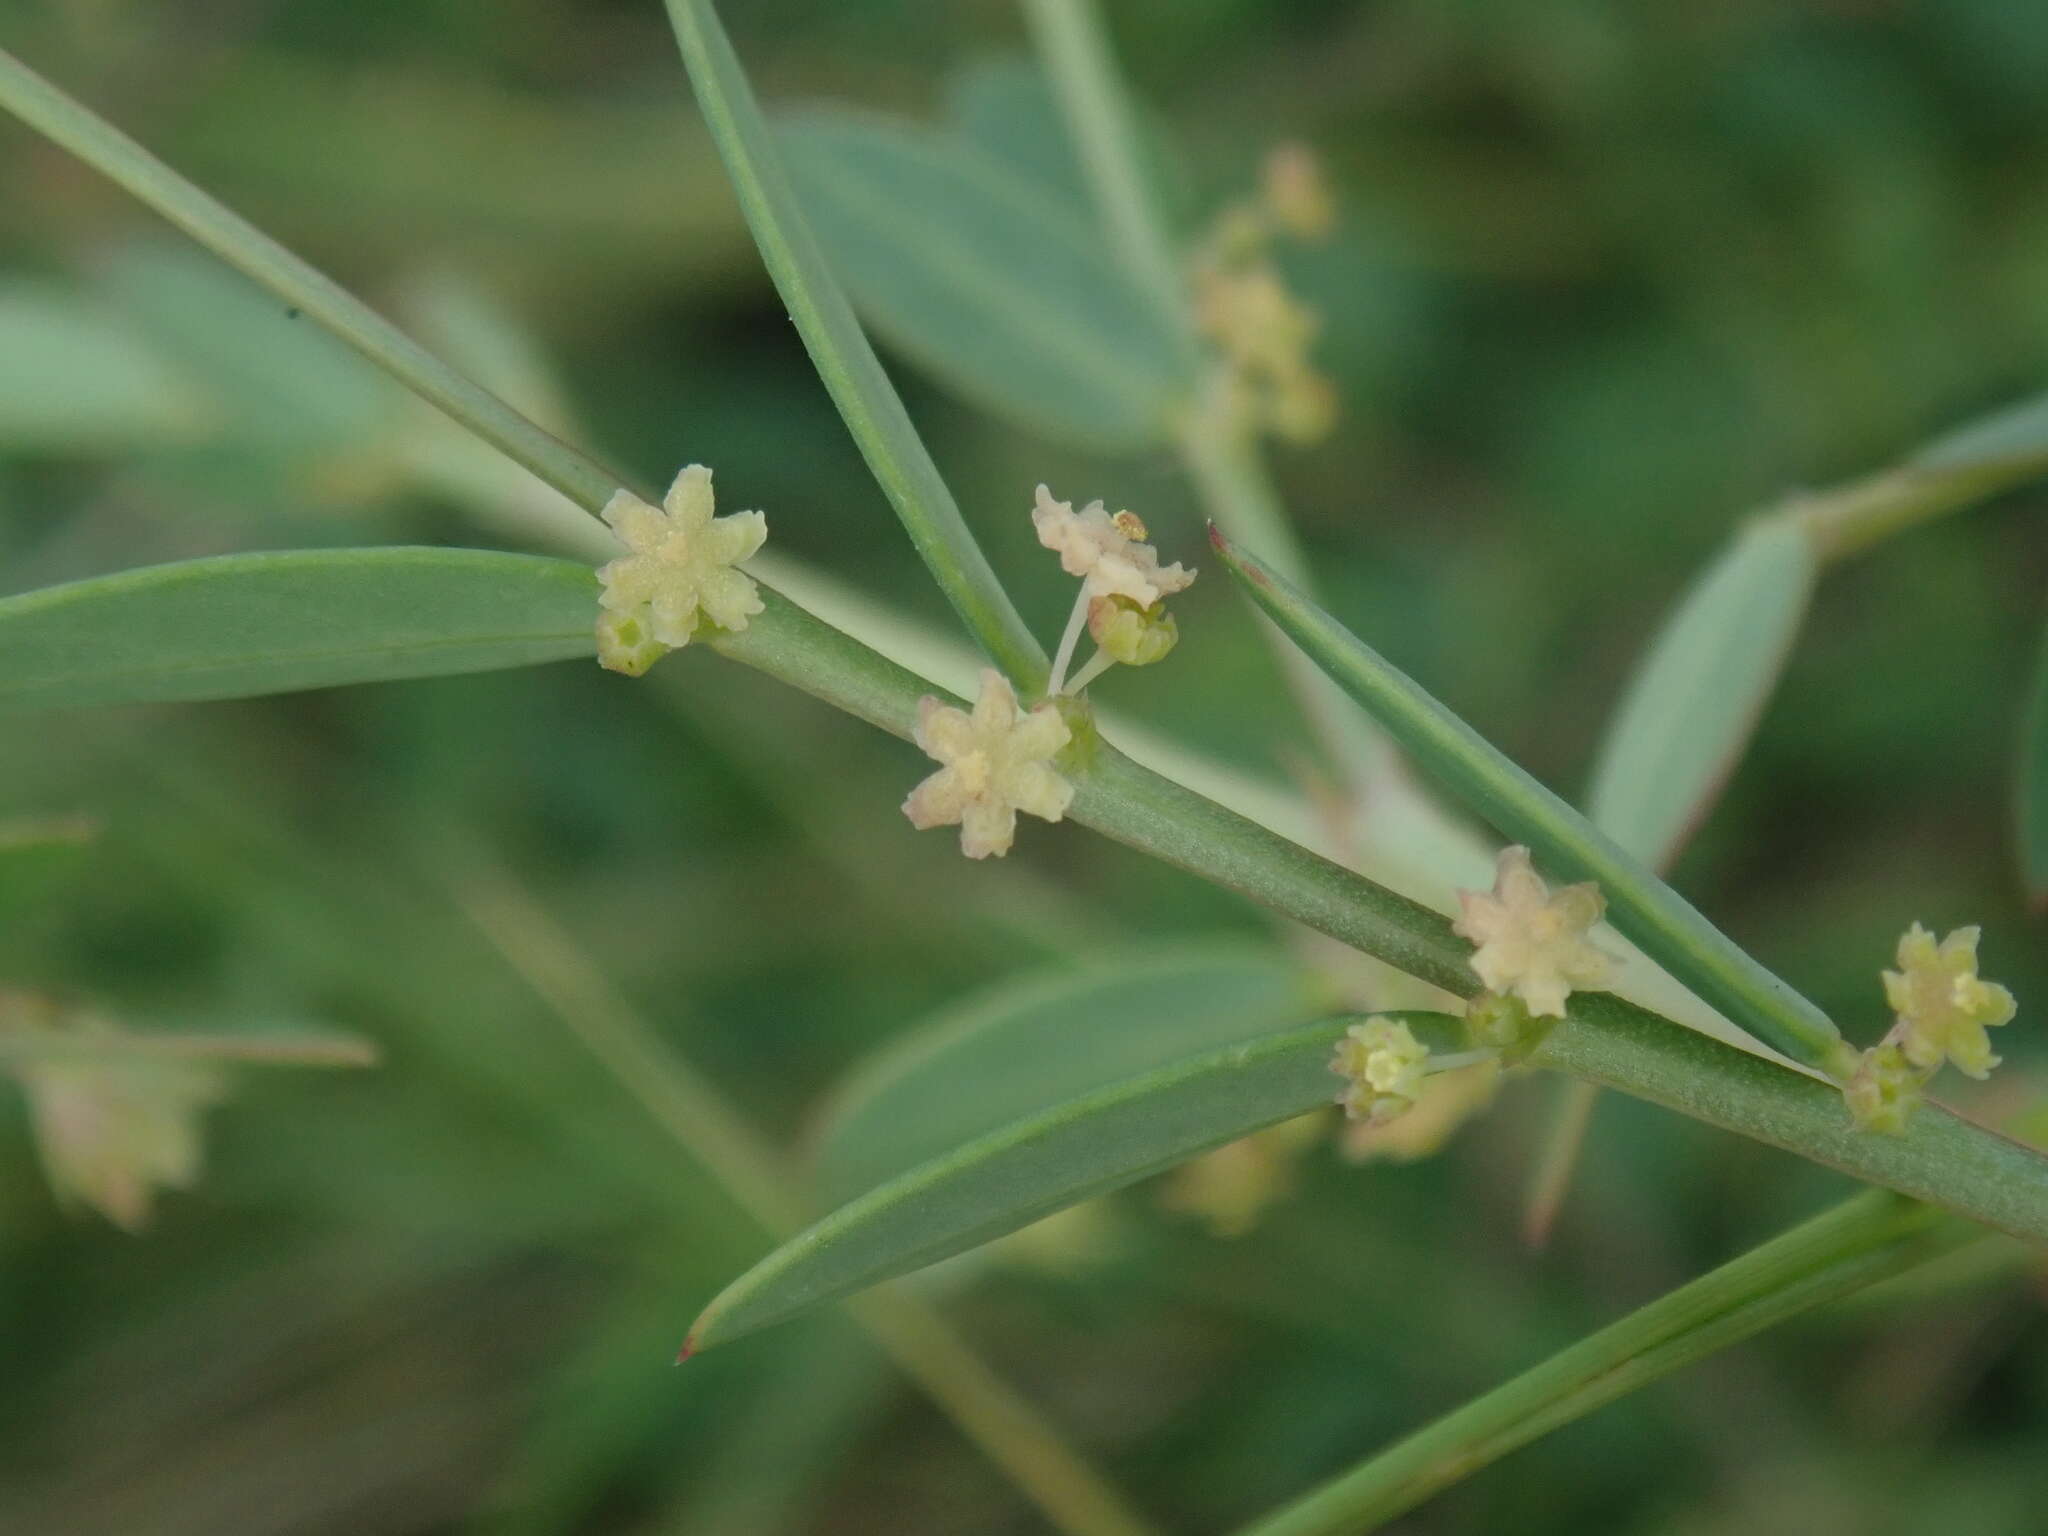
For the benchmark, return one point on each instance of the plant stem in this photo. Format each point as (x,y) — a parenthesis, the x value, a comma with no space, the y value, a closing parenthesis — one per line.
(839,349)
(1100,115)
(1865,1239)
(1071,1494)
(95,141)
(1221,459)
(1666,926)
(1056,680)
(1098,664)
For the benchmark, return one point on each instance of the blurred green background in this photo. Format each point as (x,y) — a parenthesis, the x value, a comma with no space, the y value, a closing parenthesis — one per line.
(1607,278)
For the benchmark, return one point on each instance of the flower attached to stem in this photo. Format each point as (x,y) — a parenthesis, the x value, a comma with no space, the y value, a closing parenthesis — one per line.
(1382,1064)
(1941,1009)
(1123,588)
(996,761)
(678,569)
(1108,553)
(1533,943)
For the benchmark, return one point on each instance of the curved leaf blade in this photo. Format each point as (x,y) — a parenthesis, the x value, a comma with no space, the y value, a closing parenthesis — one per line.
(235,626)
(1037,1040)
(1661,922)
(1033,1167)
(987,279)
(1692,704)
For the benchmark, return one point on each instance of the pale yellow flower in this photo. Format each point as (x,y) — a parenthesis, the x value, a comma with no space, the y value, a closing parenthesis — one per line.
(1382,1065)
(679,565)
(1943,1007)
(1107,553)
(997,762)
(1531,942)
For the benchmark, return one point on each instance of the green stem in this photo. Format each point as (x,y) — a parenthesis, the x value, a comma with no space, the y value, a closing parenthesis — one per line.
(840,351)
(1657,918)
(1863,1240)
(1103,121)
(1221,459)
(1067,1490)
(69,123)
(1606,1040)
(1848,519)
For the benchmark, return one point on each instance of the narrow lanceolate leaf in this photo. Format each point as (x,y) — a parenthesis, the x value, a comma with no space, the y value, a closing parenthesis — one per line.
(988,279)
(1648,911)
(1691,706)
(1037,1040)
(868,402)
(2033,782)
(1836,1254)
(240,625)
(1035,1166)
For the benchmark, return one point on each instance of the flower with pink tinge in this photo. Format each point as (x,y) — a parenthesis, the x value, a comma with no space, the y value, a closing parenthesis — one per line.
(996,762)
(1530,941)
(1107,553)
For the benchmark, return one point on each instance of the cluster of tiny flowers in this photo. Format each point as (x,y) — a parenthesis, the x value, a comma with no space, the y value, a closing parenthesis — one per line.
(996,761)
(678,568)
(1382,1064)
(1123,586)
(1532,942)
(1941,1009)
(1242,304)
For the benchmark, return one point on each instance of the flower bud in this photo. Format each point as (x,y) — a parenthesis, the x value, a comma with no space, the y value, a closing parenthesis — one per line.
(1131,634)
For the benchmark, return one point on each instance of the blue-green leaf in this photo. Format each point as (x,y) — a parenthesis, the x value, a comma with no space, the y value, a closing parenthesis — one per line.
(238,625)
(1035,1166)
(1693,702)
(1033,1041)
(983,275)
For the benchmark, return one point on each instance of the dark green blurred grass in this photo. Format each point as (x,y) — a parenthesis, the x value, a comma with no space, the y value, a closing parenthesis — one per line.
(1606,280)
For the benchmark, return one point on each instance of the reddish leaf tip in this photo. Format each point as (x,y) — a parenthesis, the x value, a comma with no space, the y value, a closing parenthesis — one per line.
(689,1348)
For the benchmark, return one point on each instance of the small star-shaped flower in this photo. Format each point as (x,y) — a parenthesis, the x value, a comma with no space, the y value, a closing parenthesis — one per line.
(1107,553)
(1381,1063)
(679,564)
(1533,943)
(1943,1007)
(997,762)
